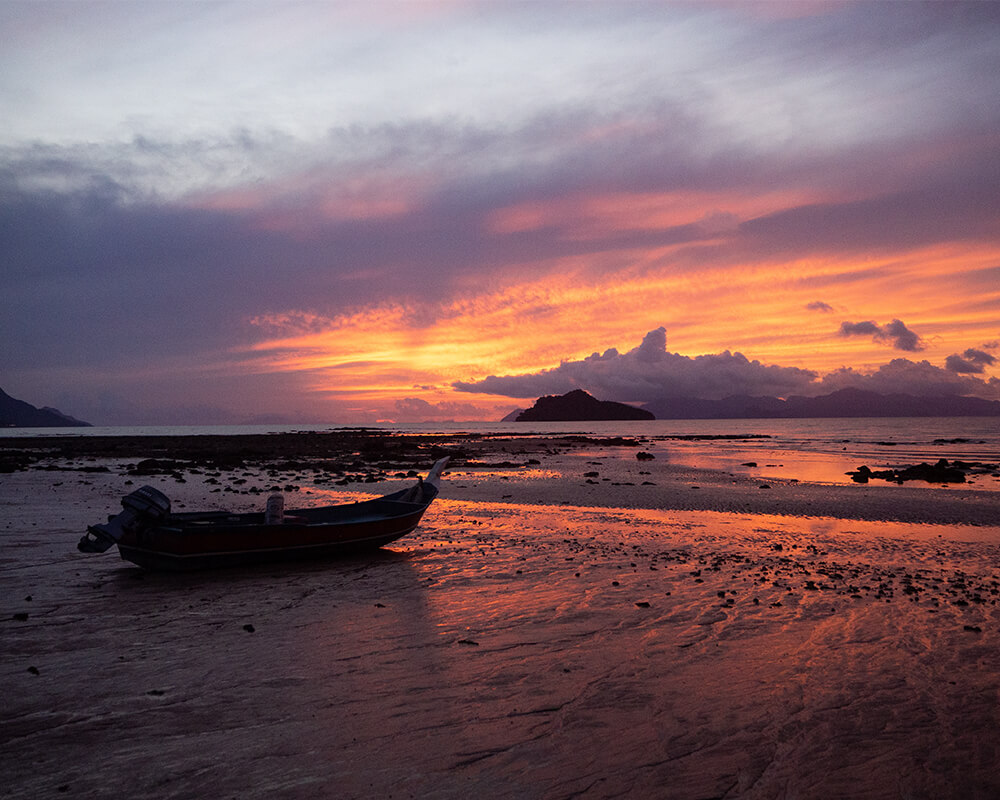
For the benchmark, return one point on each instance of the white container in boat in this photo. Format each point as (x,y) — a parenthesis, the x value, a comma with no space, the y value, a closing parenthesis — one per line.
(274,511)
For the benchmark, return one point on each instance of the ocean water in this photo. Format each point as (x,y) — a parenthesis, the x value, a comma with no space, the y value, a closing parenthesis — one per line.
(817,450)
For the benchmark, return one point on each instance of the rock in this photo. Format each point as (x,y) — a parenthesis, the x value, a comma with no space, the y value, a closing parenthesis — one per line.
(941,472)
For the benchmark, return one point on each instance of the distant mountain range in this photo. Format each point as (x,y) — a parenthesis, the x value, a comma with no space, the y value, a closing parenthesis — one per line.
(19,414)
(579,406)
(842,403)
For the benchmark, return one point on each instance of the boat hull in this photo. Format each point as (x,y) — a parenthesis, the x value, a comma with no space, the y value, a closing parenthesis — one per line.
(185,542)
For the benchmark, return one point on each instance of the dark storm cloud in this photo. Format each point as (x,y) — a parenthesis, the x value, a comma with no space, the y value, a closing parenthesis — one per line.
(895,333)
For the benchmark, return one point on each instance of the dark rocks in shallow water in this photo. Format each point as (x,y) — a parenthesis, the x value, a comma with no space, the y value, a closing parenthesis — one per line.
(941,472)
(644,456)
(158,466)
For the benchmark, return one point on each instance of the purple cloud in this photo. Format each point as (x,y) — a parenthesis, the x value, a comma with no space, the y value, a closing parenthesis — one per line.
(819,305)
(902,376)
(416,409)
(867,328)
(649,372)
(896,333)
(972,361)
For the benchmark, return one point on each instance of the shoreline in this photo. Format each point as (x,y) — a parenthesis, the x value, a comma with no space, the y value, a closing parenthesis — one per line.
(532,469)
(533,639)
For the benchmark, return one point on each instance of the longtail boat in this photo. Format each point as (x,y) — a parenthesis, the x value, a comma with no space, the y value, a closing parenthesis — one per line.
(147,533)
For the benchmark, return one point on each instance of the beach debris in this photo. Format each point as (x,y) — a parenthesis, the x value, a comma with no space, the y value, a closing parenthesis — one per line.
(642,604)
(642,455)
(249,628)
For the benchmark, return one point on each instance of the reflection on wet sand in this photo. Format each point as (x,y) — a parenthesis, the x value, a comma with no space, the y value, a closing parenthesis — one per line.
(514,649)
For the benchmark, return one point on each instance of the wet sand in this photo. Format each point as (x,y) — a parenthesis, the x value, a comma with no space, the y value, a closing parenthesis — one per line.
(538,637)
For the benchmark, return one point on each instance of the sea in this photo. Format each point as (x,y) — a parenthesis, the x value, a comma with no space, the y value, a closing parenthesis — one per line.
(813,450)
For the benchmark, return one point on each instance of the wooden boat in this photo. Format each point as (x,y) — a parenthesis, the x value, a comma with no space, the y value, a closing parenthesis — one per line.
(149,535)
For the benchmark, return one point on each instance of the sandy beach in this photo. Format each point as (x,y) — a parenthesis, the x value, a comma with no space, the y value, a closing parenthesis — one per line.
(568,622)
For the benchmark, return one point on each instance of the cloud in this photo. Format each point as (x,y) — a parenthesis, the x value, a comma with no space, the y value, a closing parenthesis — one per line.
(972,361)
(902,338)
(868,328)
(151,209)
(895,332)
(649,372)
(416,409)
(902,376)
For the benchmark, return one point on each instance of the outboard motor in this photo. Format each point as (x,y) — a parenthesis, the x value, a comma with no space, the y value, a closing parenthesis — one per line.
(143,507)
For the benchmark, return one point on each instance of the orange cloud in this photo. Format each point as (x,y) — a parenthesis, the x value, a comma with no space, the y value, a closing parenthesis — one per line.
(379,355)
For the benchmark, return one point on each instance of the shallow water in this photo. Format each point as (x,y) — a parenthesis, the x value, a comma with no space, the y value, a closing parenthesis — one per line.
(817,450)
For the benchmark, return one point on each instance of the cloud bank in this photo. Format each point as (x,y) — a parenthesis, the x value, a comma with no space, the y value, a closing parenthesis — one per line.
(649,372)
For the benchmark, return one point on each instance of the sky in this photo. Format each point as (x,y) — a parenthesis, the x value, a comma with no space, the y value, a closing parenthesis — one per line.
(350,212)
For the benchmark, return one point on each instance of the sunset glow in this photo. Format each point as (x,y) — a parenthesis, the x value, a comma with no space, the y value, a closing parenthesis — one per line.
(480,204)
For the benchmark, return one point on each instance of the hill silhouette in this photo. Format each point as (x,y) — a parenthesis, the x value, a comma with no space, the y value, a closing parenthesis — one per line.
(578,406)
(16,413)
